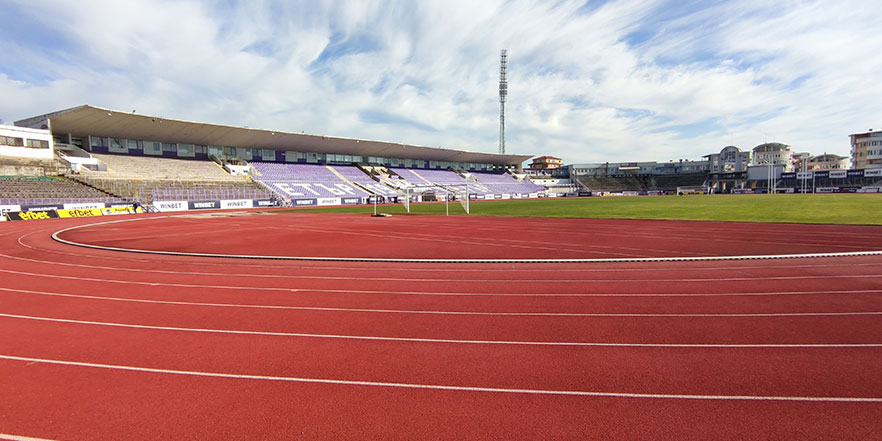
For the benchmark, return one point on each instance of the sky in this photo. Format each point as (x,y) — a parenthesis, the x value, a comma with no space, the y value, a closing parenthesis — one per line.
(588,81)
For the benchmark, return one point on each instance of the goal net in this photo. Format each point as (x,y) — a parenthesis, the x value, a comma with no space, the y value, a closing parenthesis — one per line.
(447,193)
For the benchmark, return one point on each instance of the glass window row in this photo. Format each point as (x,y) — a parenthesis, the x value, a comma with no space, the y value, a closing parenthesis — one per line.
(155,148)
(22,142)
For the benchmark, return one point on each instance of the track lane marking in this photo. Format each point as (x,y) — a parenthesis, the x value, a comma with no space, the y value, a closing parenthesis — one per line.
(6,436)
(340,382)
(420,293)
(349,268)
(454,341)
(440,312)
(393,269)
(542,281)
(56,237)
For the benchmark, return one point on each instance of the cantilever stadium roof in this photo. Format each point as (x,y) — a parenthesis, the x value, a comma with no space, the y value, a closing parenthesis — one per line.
(95,121)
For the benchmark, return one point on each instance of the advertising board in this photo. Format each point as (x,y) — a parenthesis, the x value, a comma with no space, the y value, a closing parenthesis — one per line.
(164,206)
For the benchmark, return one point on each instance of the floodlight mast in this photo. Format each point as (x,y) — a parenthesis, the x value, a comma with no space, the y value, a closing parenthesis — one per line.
(503,92)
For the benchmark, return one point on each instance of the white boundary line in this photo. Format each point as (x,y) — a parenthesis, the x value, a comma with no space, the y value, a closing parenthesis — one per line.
(586,281)
(440,312)
(401,279)
(451,341)
(443,387)
(404,268)
(56,237)
(6,436)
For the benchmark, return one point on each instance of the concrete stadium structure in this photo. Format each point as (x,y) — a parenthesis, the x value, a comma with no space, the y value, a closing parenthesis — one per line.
(109,131)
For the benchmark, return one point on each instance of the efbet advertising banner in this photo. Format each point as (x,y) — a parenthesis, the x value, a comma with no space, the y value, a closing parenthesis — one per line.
(82,212)
(32,215)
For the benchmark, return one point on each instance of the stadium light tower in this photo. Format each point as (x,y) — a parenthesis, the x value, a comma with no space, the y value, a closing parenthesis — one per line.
(503,92)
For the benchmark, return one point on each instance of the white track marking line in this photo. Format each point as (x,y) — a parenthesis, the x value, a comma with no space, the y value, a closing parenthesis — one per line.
(350,268)
(442,387)
(507,281)
(396,269)
(6,436)
(479,294)
(345,291)
(56,237)
(288,276)
(439,312)
(453,341)
(474,261)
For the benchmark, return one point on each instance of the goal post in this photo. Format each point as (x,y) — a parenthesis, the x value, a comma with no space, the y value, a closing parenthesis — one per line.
(456,192)
(459,193)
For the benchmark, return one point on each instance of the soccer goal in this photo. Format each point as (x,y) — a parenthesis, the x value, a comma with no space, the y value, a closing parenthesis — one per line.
(451,192)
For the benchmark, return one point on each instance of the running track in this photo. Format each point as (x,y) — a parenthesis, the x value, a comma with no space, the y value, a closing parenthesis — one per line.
(106,345)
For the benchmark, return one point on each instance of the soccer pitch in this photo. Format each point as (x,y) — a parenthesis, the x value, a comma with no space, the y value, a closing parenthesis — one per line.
(852,209)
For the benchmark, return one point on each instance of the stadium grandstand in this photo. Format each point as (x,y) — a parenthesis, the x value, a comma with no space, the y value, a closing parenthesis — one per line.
(89,157)
(172,164)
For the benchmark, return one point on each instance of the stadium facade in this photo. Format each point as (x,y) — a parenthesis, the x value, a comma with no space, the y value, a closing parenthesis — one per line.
(99,130)
(118,157)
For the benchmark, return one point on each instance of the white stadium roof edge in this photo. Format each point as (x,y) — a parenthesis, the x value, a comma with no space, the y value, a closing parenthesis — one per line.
(87,120)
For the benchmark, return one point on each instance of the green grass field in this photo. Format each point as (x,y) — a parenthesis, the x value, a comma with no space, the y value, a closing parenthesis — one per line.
(859,209)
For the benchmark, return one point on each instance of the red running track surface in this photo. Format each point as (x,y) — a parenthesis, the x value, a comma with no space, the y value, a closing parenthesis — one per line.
(102,345)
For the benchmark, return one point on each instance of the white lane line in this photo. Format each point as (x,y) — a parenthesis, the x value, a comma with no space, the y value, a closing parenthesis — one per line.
(439,340)
(386,268)
(289,276)
(6,436)
(429,293)
(472,261)
(507,281)
(480,294)
(440,312)
(444,387)
(56,237)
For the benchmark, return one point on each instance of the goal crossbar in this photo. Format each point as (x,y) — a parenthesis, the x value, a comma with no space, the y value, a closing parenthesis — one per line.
(456,192)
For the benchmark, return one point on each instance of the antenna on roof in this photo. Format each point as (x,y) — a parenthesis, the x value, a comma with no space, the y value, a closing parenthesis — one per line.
(503,92)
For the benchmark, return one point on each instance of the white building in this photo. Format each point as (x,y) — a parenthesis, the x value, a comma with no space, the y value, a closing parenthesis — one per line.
(730,160)
(773,153)
(21,142)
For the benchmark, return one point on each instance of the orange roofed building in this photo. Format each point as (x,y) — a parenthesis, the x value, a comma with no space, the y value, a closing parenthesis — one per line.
(546,163)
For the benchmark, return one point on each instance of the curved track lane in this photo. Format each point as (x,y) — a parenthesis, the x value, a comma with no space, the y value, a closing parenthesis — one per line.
(108,345)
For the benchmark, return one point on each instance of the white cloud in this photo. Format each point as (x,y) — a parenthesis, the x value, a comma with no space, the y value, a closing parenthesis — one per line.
(617,81)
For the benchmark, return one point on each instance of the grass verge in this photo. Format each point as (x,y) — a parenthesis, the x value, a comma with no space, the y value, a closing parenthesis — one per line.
(852,209)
